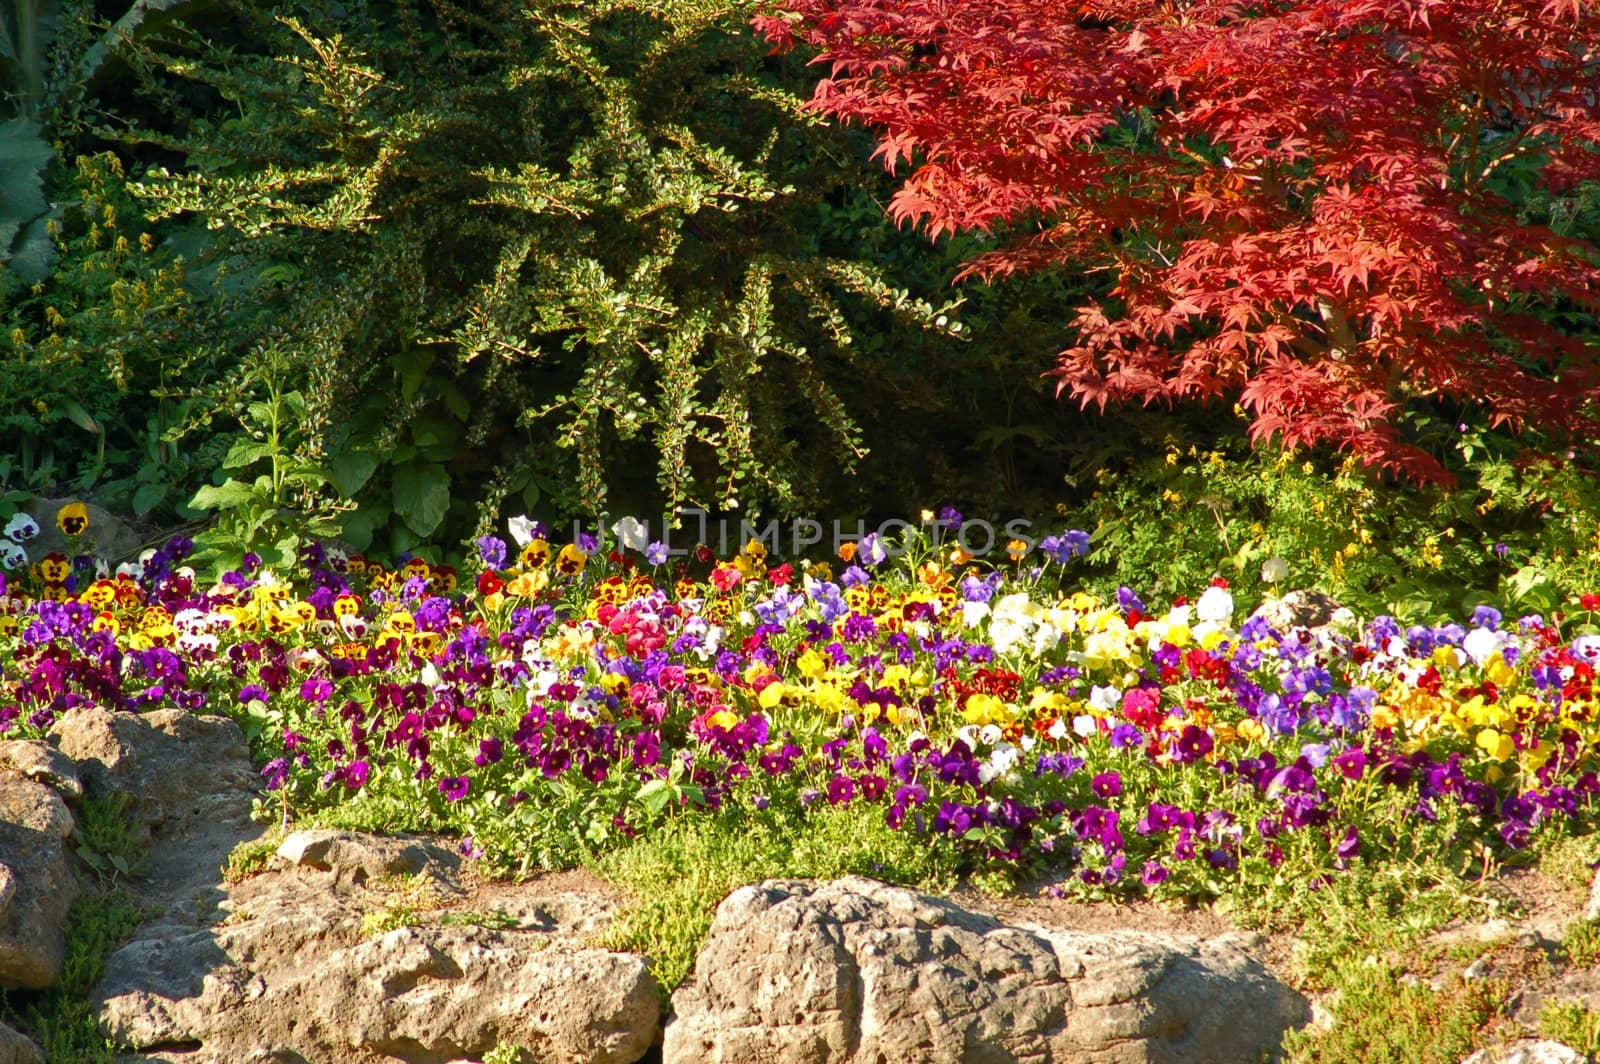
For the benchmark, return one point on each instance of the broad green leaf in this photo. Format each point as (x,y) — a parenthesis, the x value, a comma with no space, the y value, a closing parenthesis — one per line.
(24,157)
(246,452)
(227,496)
(350,471)
(79,416)
(147,498)
(412,366)
(421,496)
(33,252)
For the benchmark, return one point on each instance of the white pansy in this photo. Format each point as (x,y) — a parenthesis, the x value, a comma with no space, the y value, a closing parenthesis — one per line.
(521,530)
(1481,644)
(21,528)
(12,556)
(1216,605)
(190,620)
(631,533)
(1105,699)
(196,642)
(1586,647)
(1274,569)
(1002,760)
(1085,725)
(973,613)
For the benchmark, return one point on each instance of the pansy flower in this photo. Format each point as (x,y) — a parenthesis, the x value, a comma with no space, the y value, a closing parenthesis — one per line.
(21,528)
(73,519)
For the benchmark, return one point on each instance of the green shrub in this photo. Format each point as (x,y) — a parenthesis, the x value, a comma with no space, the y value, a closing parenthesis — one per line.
(549,250)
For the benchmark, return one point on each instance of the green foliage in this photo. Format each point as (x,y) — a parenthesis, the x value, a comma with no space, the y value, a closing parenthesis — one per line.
(110,840)
(59,1019)
(24,212)
(506,1053)
(289,504)
(1517,531)
(250,858)
(679,874)
(1379,1015)
(1581,943)
(101,369)
(552,250)
(1571,1024)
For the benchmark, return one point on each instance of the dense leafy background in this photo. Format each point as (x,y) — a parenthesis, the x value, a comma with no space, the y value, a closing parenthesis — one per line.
(396,271)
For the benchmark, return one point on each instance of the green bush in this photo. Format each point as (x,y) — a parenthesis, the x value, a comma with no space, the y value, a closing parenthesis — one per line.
(554,253)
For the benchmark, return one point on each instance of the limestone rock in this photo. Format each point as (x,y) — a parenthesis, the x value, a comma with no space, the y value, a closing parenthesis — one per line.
(1591,909)
(36,883)
(357,858)
(1298,609)
(1528,1051)
(40,762)
(107,537)
(293,974)
(857,971)
(172,764)
(17,1049)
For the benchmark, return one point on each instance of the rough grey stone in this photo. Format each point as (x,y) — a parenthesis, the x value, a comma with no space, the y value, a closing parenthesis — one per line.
(41,762)
(857,971)
(172,764)
(17,1049)
(291,974)
(1528,1051)
(108,537)
(36,883)
(356,857)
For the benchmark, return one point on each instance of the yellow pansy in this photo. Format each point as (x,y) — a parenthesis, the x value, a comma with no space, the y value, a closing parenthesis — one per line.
(982,708)
(73,519)
(811,664)
(1496,744)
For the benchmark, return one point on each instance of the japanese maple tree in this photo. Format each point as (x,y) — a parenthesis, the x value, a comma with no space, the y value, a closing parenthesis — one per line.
(1322,208)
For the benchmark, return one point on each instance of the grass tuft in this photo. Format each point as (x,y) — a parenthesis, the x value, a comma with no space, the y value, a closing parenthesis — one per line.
(679,874)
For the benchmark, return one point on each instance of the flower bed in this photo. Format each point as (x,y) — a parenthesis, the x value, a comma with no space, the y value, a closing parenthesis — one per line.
(564,701)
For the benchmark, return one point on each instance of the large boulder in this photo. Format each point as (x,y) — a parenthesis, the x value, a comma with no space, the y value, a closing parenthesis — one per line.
(108,537)
(36,882)
(302,970)
(173,765)
(857,971)
(17,1049)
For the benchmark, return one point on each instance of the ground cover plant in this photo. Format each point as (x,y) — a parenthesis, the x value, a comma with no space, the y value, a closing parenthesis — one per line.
(561,704)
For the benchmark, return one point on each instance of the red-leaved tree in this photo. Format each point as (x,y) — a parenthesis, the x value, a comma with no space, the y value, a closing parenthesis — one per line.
(1328,209)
